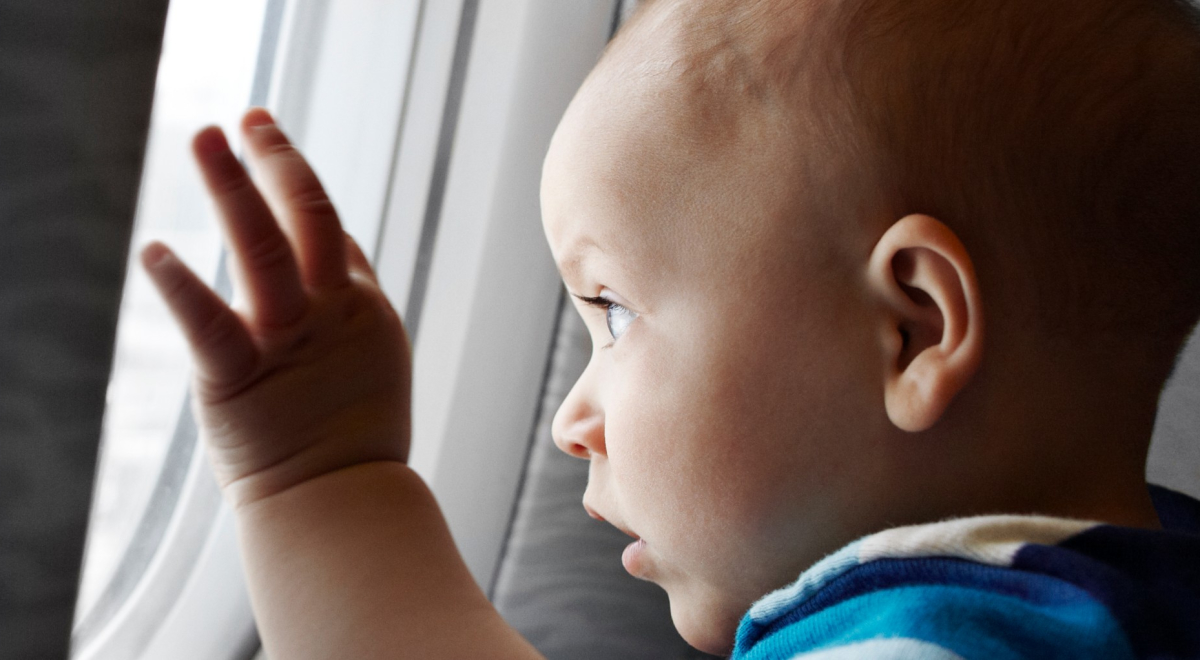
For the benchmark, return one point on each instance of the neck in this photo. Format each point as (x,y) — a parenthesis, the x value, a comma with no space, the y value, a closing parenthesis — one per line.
(1063,438)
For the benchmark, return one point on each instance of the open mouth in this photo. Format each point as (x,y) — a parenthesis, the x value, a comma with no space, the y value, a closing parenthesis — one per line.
(592,512)
(632,556)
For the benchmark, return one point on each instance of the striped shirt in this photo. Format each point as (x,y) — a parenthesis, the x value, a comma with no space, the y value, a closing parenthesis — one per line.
(995,588)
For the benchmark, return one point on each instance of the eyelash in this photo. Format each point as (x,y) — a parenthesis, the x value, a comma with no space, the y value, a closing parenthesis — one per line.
(601,303)
(596,301)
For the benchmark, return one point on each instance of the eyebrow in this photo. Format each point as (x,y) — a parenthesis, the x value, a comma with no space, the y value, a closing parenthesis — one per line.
(571,267)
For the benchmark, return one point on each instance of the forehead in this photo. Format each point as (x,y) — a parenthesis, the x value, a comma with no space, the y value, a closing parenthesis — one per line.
(650,171)
(704,123)
(603,197)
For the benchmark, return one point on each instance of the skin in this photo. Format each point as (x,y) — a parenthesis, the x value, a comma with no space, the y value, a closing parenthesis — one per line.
(759,410)
(690,418)
(303,401)
(727,386)
(795,374)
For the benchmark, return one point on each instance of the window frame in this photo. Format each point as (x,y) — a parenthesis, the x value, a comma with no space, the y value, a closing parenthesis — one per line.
(154,566)
(184,597)
(493,292)
(457,144)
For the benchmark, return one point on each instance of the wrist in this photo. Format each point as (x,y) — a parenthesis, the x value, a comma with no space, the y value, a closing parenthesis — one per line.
(304,472)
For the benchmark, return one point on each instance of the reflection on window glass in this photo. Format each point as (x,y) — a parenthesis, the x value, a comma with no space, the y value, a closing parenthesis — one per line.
(205,76)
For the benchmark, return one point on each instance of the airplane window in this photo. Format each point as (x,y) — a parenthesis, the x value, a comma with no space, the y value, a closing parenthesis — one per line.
(207,69)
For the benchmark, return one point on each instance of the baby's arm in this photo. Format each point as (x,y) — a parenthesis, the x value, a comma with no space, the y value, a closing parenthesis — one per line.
(303,402)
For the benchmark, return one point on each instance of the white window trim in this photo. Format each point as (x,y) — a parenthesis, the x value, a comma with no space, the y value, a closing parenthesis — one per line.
(338,89)
(493,290)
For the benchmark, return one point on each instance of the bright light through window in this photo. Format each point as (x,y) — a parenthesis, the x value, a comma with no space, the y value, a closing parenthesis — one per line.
(207,69)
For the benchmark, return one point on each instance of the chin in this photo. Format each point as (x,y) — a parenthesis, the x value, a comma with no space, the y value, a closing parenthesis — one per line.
(703,625)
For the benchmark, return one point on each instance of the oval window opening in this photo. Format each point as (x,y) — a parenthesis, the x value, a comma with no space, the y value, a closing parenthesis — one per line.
(210,50)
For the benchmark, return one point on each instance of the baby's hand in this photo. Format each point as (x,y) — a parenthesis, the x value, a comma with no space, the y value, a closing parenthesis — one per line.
(313,375)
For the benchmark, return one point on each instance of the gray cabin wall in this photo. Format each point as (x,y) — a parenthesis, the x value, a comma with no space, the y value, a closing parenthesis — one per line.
(76,84)
(1175,450)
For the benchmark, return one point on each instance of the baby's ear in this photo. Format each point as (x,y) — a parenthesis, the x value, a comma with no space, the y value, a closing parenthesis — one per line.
(932,323)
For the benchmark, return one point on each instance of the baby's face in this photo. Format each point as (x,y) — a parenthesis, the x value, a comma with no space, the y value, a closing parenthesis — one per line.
(723,418)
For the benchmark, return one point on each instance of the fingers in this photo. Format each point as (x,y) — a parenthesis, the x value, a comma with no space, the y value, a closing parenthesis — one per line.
(294,191)
(358,262)
(221,345)
(260,249)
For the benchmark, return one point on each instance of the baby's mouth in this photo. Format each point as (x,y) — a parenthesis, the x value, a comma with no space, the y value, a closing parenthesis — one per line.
(592,512)
(632,557)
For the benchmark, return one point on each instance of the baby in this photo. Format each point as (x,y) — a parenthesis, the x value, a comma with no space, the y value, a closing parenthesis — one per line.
(893,269)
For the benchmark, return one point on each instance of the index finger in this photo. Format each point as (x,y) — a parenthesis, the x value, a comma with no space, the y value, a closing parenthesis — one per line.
(260,249)
(299,199)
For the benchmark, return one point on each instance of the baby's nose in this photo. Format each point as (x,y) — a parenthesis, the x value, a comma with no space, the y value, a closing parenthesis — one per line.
(578,427)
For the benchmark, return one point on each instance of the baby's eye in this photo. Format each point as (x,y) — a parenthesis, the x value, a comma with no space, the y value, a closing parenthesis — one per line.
(618,319)
(616,315)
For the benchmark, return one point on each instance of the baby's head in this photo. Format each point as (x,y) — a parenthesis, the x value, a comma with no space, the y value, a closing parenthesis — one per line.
(786,223)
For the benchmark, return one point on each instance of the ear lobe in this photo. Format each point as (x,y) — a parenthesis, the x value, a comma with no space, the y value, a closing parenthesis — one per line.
(932,328)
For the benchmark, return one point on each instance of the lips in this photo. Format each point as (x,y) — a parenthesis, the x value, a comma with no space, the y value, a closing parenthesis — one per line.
(592,512)
(633,557)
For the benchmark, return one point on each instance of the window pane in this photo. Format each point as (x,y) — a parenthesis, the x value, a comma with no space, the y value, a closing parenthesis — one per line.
(207,69)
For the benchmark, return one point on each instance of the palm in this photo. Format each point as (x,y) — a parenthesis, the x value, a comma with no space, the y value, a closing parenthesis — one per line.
(313,375)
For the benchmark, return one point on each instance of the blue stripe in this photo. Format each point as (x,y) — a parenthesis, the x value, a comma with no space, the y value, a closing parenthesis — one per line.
(781,601)
(1036,593)
(1154,594)
(891,573)
(1107,592)
(966,621)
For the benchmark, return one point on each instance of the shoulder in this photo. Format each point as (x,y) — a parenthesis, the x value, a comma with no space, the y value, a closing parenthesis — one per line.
(994,587)
(939,607)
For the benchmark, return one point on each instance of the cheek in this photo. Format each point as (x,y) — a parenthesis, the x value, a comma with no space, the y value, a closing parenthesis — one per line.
(735,431)
(696,436)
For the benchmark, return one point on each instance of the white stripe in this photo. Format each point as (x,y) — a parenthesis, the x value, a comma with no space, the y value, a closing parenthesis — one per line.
(894,648)
(991,540)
